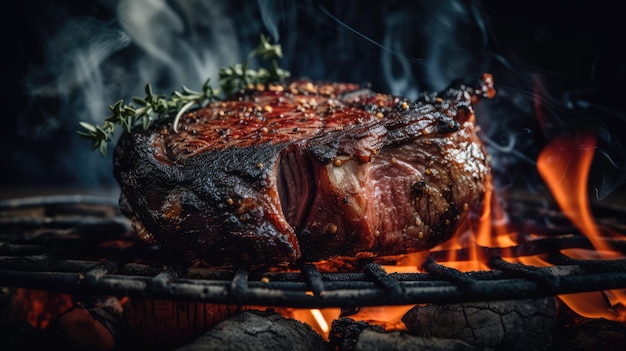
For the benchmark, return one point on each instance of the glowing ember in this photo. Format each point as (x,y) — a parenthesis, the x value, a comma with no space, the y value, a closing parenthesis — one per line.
(38,307)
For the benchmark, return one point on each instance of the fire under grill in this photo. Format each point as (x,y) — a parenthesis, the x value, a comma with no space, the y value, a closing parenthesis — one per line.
(82,244)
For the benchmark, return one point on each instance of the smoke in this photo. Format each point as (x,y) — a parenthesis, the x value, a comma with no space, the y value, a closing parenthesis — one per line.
(93,58)
(86,55)
(269,17)
(182,42)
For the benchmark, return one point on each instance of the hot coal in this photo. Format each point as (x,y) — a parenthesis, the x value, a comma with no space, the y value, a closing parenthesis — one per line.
(95,324)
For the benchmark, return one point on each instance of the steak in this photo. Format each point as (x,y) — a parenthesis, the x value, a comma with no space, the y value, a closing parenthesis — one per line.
(303,171)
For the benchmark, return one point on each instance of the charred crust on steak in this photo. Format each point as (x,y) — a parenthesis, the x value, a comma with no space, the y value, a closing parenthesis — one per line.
(303,171)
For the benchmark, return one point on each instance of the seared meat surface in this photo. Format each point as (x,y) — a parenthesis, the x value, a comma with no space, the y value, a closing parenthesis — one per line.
(305,171)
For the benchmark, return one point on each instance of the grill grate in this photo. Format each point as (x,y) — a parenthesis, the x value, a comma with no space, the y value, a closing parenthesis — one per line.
(82,244)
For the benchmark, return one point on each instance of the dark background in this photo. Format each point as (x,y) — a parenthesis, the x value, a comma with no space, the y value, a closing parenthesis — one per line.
(559,68)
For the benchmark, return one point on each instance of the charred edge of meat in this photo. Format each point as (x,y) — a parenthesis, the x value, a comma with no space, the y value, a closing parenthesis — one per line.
(448,125)
(417,188)
(201,212)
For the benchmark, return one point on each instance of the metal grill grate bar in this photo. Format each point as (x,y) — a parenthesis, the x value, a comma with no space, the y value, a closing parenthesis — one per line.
(84,245)
(294,294)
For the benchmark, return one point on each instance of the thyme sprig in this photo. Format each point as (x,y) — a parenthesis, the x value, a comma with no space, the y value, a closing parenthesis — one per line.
(238,76)
(144,111)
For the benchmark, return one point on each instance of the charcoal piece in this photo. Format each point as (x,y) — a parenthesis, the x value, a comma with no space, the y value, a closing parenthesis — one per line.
(350,335)
(38,307)
(494,325)
(258,330)
(95,324)
(166,324)
(591,334)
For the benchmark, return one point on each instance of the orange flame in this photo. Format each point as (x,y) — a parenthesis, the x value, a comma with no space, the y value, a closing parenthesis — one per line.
(491,230)
(564,165)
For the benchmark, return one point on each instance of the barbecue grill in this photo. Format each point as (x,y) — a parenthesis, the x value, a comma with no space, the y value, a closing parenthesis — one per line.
(82,244)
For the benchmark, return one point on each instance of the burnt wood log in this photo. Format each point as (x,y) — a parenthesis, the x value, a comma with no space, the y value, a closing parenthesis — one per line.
(494,325)
(349,335)
(258,330)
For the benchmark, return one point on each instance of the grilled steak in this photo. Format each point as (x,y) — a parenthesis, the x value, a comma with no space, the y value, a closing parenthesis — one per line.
(305,171)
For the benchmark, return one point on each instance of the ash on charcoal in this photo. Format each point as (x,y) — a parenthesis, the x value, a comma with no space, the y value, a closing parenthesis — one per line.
(350,335)
(258,330)
(495,325)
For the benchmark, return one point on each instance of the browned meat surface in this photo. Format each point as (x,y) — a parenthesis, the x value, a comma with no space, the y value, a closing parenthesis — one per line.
(306,171)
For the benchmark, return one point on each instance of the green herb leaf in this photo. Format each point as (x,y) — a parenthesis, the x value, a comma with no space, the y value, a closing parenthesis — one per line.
(155,107)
